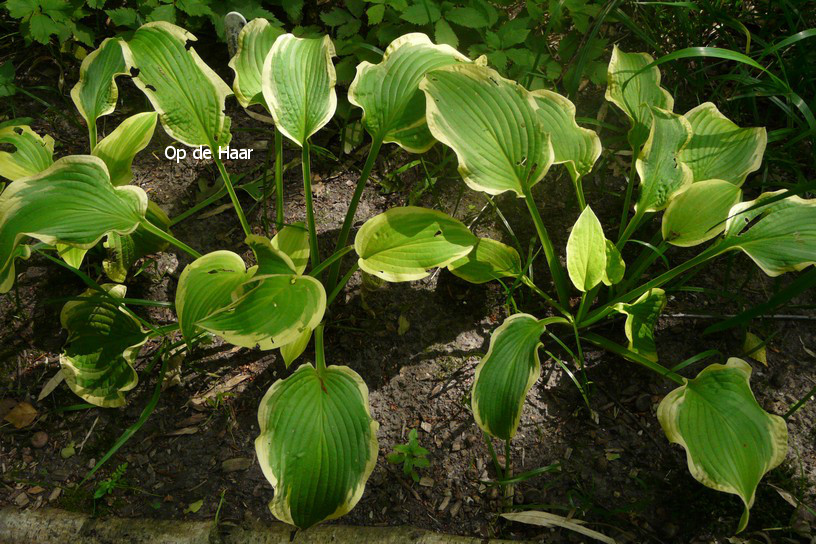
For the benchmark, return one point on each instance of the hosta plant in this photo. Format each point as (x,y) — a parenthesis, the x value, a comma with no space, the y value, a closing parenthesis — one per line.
(505,138)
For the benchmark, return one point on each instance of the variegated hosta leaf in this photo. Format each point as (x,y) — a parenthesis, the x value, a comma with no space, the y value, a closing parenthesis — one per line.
(730,441)
(586,251)
(698,214)
(491,123)
(642,92)
(293,240)
(291,351)
(719,149)
(73,256)
(575,147)
(403,244)
(320,419)
(661,174)
(615,265)
(254,43)
(206,285)
(388,92)
(119,148)
(270,311)
(270,260)
(489,260)
(779,237)
(641,317)
(103,342)
(72,202)
(186,93)
(298,85)
(125,249)
(95,93)
(32,153)
(506,374)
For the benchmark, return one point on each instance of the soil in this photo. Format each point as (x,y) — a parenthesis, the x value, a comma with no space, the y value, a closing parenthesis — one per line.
(616,469)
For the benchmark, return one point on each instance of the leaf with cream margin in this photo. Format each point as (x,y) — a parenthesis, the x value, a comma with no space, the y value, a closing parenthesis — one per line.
(293,240)
(294,349)
(719,149)
(103,342)
(96,93)
(298,85)
(779,237)
(123,250)
(388,92)
(730,441)
(269,259)
(72,202)
(636,94)
(575,147)
(615,265)
(489,260)
(641,318)
(699,212)
(119,148)
(32,153)
(404,244)
(188,95)
(505,375)
(322,419)
(492,124)
(586,252)
(254,43)
(661,174)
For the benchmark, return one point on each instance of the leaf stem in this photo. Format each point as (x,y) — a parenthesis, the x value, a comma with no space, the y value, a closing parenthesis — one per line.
(801,402)
(342,283)
(608,345)
(336,256)
(278,179)
(314,253)
(578,182)
(320,356)
(231,190)
(167,237)
(92,134)
(547,298)
(557,271)
(630,185)
(492,450)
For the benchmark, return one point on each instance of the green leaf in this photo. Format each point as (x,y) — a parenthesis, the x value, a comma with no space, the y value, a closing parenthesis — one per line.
(196,8)
(388,92)
(123,250)
(642,92)
(119,148)
(575,147)
(491,123)
(779,237)
(205,286)
(42,27)
(298,85)
(467,17)
(444,34)
(662,174)
(103,342)
(322,419)
(641,317)
(506,374)
(291,351)
(270,260)
(586,251)
(698,214)
(72,202)
(21,8)
(123,16)
(420,12)
(96,93)
(7,87)
(615,266)
(489,260)
(375,14)
(254,43)
(293,240)
(164,13)
(730,441)
(719,149)
(403,244)
(186,93)
(33,153)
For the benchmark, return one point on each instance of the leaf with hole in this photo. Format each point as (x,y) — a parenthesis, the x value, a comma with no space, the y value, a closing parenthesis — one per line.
(123,250)
(641,318)
(32,153)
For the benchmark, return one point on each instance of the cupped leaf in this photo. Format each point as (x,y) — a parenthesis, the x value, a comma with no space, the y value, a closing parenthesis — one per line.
(615,265)
(254,43)
(270,260)
(388,92)
(640,93)
(95,93)
(779,237)
(32,153)
(206,285)
(270,311)
(586,251)
(293,240)
(321,420)
(291,351)
(491,123)
(186,93)
(506,374)
(119,148)
(719,149)
(298,85)
(662,174)
(403,244)
(489,260)
(72,202)
(698,214)
(641,318)
(730,441)
(575,147)
(103,342)
(123,250)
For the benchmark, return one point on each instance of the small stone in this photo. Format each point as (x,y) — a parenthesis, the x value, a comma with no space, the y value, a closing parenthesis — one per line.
(234,465)
(21,500)
(455,508)
(54,494)
(457,446)
(426,481)
(39,439)
(426,426)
